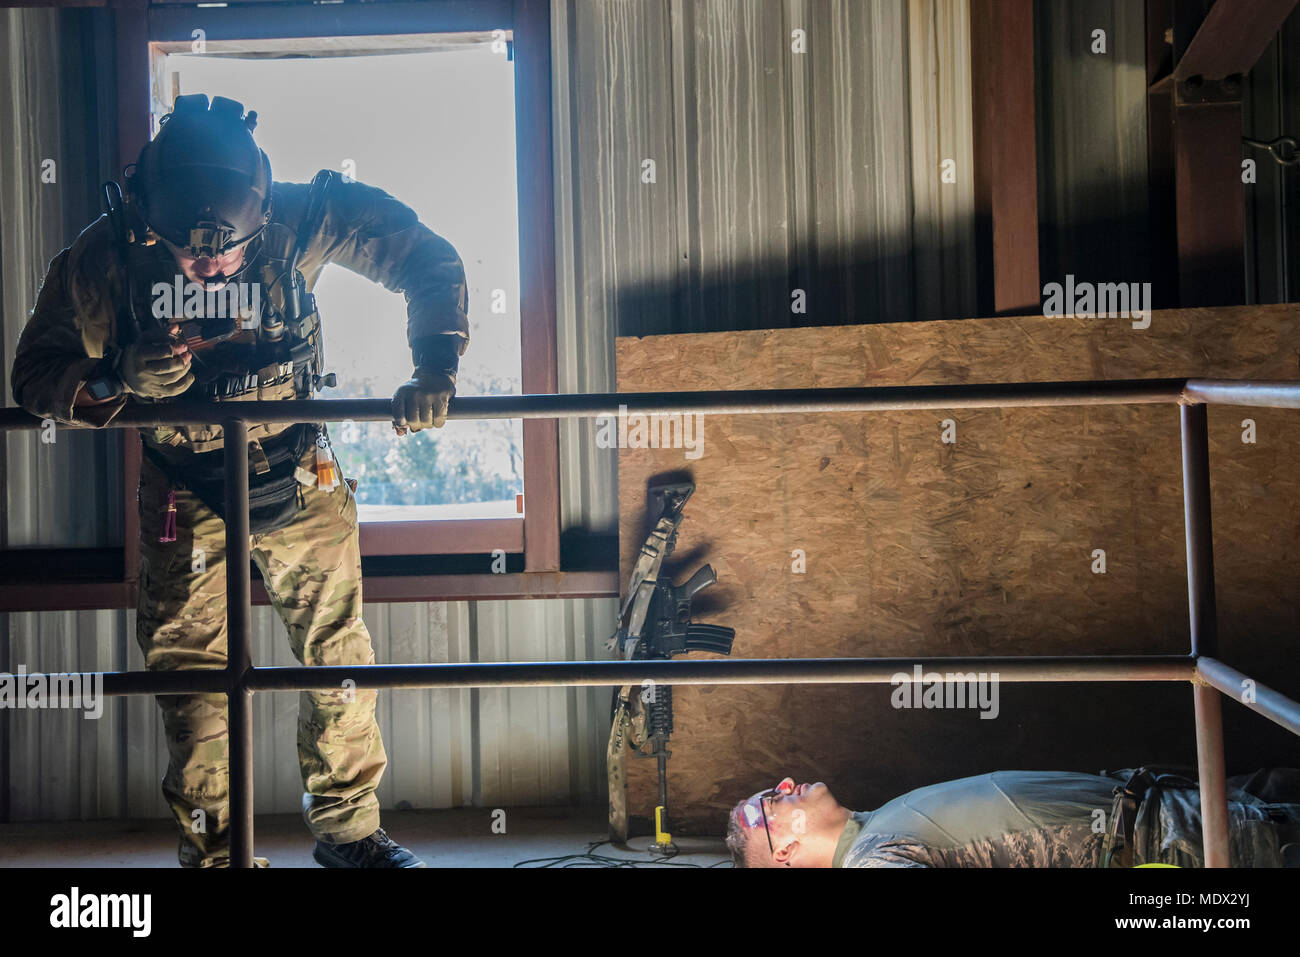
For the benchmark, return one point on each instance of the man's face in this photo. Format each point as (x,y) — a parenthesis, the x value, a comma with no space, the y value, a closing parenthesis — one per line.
(794,813)
(204,268)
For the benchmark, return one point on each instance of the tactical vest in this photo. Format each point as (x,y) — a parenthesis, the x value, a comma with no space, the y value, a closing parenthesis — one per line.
(275,352)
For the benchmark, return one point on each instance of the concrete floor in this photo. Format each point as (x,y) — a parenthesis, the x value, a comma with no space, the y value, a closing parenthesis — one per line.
(461,837)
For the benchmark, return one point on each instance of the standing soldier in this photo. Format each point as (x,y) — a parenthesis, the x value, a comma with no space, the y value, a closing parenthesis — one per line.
(108,329)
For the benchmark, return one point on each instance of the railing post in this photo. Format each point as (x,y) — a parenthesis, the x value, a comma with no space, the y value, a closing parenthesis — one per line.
(1213,775)
(1201,606)
(239,655)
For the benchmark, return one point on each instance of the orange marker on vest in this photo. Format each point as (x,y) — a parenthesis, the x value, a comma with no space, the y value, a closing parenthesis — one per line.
(327,478)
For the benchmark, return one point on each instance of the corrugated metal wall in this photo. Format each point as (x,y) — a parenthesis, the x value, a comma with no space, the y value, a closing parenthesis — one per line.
(54,59)
(774,171)
(1272,109)
(1092,149)
(1092,141)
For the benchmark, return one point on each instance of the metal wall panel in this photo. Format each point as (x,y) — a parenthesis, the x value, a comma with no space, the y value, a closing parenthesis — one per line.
(773,171)
(1092,141)
(943,218)
(1271,110)
(775,168)
(57,83)
(585,340)
(446,748)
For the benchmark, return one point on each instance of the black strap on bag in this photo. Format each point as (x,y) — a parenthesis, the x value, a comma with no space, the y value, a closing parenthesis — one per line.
(274,496)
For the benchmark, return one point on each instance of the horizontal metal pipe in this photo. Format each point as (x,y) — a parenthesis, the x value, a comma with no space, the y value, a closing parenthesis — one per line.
(747,402)
(719,672)
(1264,394)
(1268,394)
(615,672)
(1262,699)
(190,681)
(562,674)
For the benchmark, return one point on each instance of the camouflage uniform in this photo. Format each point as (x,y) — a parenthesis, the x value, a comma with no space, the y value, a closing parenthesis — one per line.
(311,567)
(312,571)
(1064,819)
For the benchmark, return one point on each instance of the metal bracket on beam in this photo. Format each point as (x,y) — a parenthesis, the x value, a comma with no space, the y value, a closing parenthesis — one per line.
(1197,89)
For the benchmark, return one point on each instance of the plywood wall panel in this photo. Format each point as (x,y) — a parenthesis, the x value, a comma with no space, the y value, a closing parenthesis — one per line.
(919,548)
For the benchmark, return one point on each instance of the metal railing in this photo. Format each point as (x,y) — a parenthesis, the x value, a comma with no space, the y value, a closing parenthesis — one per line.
(1208,676)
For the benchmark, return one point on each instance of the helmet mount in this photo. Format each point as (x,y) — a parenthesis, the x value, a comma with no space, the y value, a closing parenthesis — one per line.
(209,237)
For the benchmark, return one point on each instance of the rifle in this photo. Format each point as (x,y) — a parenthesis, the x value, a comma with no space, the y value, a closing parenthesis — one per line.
(655,624)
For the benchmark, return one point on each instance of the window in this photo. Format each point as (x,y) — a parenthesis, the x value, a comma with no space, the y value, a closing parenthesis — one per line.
(398,518)
(450,155)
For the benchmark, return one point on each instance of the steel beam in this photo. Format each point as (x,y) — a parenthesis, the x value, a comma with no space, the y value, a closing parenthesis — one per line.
(1259,698)
(1232,38)
(239,655)
(741,402)
(1005,155)
(1203,628)
(1258,394)
(1206,89)
(1199,534)
(1212,774)
(1209,198)
(710,671)
(1195,67)
(721,671)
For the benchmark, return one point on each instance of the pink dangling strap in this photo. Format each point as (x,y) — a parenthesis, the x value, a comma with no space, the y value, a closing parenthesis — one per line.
(169,521)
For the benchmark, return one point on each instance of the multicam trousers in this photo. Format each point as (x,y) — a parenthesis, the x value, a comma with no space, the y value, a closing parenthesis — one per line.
(312,571)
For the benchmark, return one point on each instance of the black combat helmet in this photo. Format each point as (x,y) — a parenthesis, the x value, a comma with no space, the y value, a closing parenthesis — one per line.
(202,183)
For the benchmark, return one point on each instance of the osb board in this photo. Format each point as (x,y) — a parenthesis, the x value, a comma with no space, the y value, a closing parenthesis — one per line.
(985,547)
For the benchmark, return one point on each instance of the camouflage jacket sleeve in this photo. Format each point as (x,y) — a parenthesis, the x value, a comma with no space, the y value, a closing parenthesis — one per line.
(68,332)
(366,230)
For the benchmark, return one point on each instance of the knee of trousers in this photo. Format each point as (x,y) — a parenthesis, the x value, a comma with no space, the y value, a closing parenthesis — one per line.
(338,642)
(191,721)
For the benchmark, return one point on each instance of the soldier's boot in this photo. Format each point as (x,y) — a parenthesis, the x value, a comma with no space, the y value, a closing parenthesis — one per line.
(377,850)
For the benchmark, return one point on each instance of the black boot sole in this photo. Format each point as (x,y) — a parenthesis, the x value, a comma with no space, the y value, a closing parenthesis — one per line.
(327,859)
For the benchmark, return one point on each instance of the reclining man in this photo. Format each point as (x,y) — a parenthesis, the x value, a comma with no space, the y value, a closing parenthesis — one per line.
(1021,819)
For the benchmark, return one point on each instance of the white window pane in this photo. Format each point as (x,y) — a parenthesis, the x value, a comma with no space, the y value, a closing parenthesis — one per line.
(437,131)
